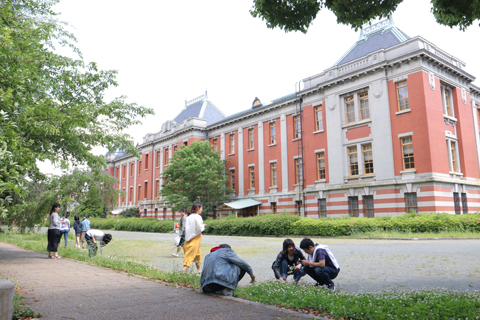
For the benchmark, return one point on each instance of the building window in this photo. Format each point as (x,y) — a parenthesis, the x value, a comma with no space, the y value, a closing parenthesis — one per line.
(156,213)
(273,133)
(252,177)
(353,161)
(232,144)
(124,173)
(368,202)
(367,159)
(298,207)
(145,192)
(350,109)
(464,203)
(320,166)
(130,196)
(402,96)
(215,144)
(232,179)
(175,147)
(139,194)
(274,207)
(447,101)
(456,202)
(164,213)
(250,139)
(452,145)
(297,125)
(146,161)
(158,159)
(273,173)
(364,109)
(157,189)
(322,208)
(132,169)
(353,206)
(318,118)
(165,157)
(298,171)
(411,202)
(139,167)
(407,152)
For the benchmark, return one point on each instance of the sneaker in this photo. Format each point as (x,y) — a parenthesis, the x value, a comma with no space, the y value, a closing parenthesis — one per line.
(331,286)
(226,292)
(175,255)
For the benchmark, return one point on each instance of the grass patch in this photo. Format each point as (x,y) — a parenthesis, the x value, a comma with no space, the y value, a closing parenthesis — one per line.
(421,304)
(393,234)
(21,310)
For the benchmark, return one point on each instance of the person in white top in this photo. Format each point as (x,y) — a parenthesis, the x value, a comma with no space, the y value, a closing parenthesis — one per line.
(94,235)
(54,233)
(193,236)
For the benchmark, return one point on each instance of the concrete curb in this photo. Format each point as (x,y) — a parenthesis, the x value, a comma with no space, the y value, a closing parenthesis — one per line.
(7,291)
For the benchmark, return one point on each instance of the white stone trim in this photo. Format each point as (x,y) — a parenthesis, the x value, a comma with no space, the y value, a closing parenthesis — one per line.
(405,134)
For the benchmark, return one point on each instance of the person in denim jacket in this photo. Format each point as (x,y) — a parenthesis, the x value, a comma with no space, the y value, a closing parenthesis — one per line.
(222,270)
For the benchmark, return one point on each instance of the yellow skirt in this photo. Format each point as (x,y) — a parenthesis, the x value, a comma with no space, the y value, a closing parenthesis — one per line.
(192,251)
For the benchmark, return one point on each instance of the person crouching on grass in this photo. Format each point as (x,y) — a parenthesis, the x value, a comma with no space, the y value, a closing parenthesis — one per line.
(93,236)
(193,236)
(321,264)
(222,270)
(288,262)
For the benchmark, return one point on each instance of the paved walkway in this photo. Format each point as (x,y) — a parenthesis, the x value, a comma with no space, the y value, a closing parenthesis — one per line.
(68,289)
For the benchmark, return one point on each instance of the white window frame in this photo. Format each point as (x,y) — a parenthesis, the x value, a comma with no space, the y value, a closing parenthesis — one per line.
(450,98)
(361,173)
(356,106)
(450,157)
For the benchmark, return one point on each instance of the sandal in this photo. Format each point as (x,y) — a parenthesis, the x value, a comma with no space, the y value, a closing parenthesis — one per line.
(49,257)
(58,257)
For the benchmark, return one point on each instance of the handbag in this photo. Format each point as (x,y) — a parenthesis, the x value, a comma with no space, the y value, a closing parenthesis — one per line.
(177,240)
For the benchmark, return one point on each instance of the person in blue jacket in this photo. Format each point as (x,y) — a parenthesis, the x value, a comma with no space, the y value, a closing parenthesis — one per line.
(84,227)
(222,270)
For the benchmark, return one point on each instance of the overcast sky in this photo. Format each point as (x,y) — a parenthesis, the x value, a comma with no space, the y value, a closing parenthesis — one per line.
(169,51)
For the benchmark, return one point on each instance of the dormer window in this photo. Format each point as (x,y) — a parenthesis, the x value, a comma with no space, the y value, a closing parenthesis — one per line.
(256,103)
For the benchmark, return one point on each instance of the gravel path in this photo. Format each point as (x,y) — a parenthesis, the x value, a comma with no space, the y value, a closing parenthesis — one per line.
(366,265)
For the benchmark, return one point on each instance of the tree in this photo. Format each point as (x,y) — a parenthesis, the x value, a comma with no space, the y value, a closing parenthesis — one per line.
(87,191)
(297,15)
(195,173)
(52,107)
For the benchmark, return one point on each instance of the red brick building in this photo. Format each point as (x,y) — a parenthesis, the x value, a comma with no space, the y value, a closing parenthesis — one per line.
(392,126)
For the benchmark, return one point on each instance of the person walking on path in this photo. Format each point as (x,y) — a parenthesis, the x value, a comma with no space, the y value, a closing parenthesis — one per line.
(193,236)
(288,262)
(182,232)
(77,226)
(54,232)
(321,264)
(222,271)
(85,226)
(65,228)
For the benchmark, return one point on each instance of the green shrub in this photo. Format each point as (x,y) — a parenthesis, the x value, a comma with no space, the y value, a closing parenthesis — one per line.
(133,212)
(145,225)
(103,224)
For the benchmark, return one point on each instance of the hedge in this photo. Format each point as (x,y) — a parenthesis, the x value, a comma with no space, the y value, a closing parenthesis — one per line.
(286,224)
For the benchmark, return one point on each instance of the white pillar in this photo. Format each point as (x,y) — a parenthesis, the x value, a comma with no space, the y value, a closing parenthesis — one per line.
(261,164)
(135,182)
(126,185)
(222,146)
(284,151)
(120,185)
(240,162)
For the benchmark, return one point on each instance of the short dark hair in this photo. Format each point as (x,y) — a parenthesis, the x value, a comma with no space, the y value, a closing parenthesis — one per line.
(306,243)
(224,245)
(76,218)
(107,238)
(85,216)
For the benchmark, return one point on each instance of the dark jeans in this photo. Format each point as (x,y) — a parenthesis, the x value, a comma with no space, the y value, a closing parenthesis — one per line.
(53,237)
(65,235)
(323,275)
(297,274)
(215,287)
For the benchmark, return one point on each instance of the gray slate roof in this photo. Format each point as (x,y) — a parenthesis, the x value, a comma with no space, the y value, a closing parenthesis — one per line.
(381,39)
(210,113)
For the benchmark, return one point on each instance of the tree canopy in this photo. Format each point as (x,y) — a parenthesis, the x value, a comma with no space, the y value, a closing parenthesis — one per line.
(297,15)
(195,173)
(52,107)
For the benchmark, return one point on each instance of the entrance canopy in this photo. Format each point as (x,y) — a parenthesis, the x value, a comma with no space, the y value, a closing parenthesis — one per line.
(116,211)
(240,204)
